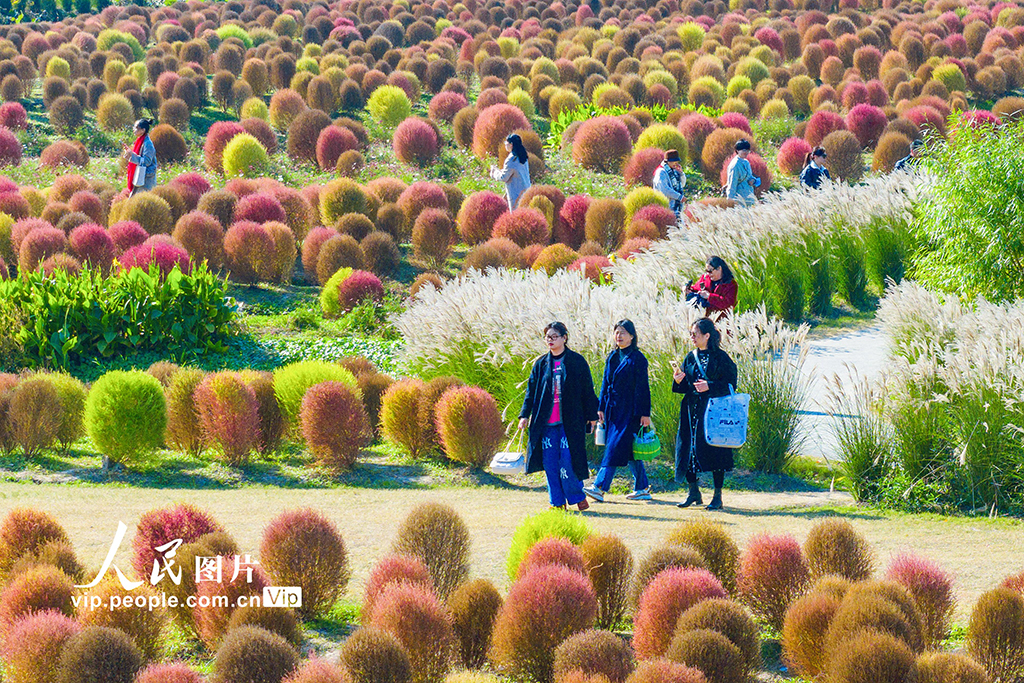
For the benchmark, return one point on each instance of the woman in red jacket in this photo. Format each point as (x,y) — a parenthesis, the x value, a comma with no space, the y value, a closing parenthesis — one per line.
(715,292)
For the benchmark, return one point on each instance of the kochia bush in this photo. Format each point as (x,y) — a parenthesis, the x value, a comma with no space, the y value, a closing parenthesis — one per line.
(553,550)
(334,424)
(666,597)
(401,407)
(97,653)
(523,226)
(478,214)
(229,415)
(25,531)
(433,235)
(493,125)
(772,573)
(436,534)
(594,653)
(126,414)
(602,144)
(416,142)
(469,425)
(32,650)
(245,157)
(421,624)
(291,382)
(474,607)
(541,525)
(389,105)
(792,153)
(163,525)
(251,653)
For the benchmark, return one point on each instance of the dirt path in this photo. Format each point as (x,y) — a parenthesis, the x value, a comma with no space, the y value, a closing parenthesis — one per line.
(979,552)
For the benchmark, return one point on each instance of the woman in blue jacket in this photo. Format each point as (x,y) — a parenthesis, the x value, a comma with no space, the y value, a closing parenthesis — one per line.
(624,406)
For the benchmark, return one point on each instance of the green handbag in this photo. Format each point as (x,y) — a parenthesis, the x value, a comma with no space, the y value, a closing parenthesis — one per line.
(646,445)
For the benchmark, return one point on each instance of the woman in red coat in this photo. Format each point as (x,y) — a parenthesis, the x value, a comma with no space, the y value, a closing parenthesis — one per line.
(715,292)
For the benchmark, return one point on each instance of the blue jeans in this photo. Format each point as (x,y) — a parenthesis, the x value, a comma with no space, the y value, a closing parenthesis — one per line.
(606,474)
(563,486)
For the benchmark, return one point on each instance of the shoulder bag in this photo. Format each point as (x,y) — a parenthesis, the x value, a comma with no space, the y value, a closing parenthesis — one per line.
(725,418)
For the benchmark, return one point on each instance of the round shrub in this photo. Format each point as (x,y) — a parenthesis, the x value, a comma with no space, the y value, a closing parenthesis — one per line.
(833,546)
(381,254)
(867,123)
(337,253)
(303,548)
(97,653)
(401,407)
(665,671)
(594,653)
(609,564)
(640,197)
(792,153)
(870,656)
(772,573)
(552,550)
(40,244)
(36,590)
(32,650)
(844,160)
(304,134)
(151,212)
(939,667)
(200,234)
(371,655)
(666,597)
(492,126)
(126,414)
(718,147)
(251,654)
(144,627)
(436,535)
(127,234)
(316,670)
(259,207)
(64,153)
(416,142)
(445,105)
(469,425)
(892,146)
(244,156)
(68,264)
(433,235)
(285,105)
(115,112)
(416,618)
(334,423)
(162,525)
(932,590)
(543,609)
(293,380)
(478,214)
(158,250)
(662,136)
(229,415)
(14,117)
(805,629)
(217,139)
(66,115)
(523,226)
(554,257)
(729,619)
(169,144)
(216,601)
(995,633)
(420,196)
(591,266)
(640,168)
(898,617)
(10,148)
(34,414)
(168,673)
(605,221)
(714,544)
(389,105)
(709,652)
(249,251)
(474,608)
(340,197)
(602,144)
(332,142)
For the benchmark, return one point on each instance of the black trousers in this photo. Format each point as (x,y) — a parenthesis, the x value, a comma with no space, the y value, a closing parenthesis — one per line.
(717,475)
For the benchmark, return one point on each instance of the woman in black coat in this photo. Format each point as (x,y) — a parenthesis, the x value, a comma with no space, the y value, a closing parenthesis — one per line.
(558,408)
(624,406)
(707,372)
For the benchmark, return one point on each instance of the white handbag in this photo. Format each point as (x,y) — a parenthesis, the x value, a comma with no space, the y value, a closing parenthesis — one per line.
(511,461)
(725,420)
(139,177)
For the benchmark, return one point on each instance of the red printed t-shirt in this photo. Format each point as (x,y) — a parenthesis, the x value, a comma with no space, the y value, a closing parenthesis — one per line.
(556,384)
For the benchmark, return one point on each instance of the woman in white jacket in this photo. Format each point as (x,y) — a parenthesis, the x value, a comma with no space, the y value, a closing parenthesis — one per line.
(740,179)
(516,171)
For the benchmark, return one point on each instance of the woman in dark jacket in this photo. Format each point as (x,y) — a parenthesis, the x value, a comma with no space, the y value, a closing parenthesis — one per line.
(624,406)
(814,169)
(558,408)
(707,372)
(716,289)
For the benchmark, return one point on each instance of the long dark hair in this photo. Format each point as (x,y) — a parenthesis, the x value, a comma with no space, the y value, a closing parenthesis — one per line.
(630,329)
(144,125)
(707,326)
(517,147)
(719,262)
(817,151)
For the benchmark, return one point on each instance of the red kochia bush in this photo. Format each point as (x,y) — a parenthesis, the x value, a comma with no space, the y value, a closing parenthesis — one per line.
(867,123)
(445,105)
(523,226)
(419,196)
(93,245)
(469,425)
(478,214)
(552,550)
(250,252)
(602,144)
(666,597)
(32,650)
(772,574)
(592,267)
(229,415)
(317,670)
(259,208)
(64,153)
(421,623)
(217,138)
(331,143)
(88,203)
(216,600)
(13,116)
(543,608)
(821,124)
(695,129)
(127,234)
(392,569)
(665,671)
(38,245)
(10,148)
(177,672)
(926,117)
(416,141)
(493,125)
(932,589)
(159,249)
(311,250)
(160,526)
(571,227)
(334,424)
(303,548)
(358,287)
(792,153)
(640,168)
(201,235)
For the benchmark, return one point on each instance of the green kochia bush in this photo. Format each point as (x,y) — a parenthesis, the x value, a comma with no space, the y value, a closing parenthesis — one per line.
(542,525)
(125,415)
(292,381)
(74,318)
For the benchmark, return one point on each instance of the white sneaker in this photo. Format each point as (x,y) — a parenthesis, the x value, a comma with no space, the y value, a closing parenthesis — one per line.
(639,495)
(594,492)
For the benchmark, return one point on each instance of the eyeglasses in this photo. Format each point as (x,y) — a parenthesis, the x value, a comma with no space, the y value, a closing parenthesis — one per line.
(552,337)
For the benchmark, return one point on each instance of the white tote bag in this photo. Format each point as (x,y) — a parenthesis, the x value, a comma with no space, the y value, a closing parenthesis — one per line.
(512,461)
(139,177)
(725,420)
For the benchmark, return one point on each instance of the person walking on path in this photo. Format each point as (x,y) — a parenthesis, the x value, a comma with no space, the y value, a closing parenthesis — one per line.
(558,410)
(516,171)
(740,180)
(716,290)
(814,169)
(141,154)
(705,373)
(624,406)
(670,180)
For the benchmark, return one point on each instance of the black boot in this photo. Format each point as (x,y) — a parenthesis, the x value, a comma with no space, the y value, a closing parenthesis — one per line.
(716,501)
(694,497)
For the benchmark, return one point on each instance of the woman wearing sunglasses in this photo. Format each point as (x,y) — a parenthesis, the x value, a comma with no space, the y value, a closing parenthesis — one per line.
(715,291)
(559,408)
